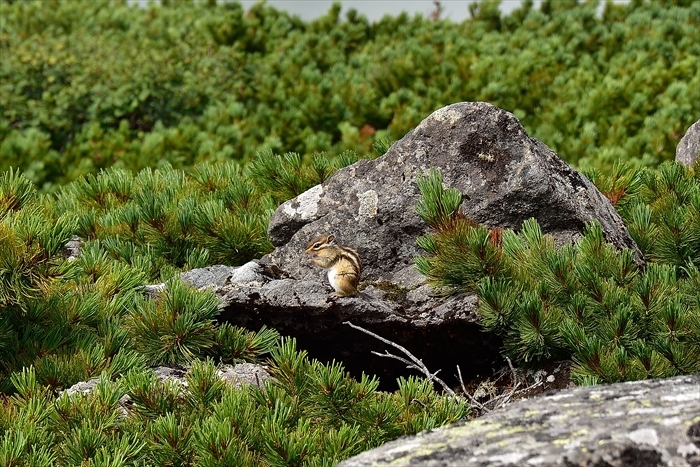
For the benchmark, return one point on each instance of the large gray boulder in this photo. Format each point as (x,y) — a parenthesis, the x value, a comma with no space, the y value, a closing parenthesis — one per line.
(688,149)
(505,176)
(639,424)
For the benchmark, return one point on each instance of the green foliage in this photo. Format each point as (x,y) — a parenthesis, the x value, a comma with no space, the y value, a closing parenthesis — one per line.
(437,206)
(585,301)
(144,138)
(74,319)
(177,327)
(165,218)
(663,216)
(203,82)
(284,177)
(661,209)
(311,414)
(63,321)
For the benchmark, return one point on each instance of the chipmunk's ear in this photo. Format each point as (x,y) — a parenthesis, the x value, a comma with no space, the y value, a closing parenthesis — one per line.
(331,238)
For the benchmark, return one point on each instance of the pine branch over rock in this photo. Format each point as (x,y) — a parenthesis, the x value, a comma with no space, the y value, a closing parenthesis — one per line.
(586,301)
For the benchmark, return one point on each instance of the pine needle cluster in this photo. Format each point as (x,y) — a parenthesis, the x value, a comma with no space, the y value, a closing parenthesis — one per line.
(310,415)
(162,220)
(64,321)
(72,320)
(586,301)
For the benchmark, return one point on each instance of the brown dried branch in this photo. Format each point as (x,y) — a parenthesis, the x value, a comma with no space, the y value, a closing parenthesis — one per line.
(504,398)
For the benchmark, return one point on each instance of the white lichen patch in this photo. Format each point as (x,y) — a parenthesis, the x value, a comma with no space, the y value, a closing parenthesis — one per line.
(304,206)
(671,421)
(687,450)
(644,436)
(404,448)
(643,411)
(369,200)
(559,396)
(573,445)
(510,458)
(447,115)
(486,157)
(683,397)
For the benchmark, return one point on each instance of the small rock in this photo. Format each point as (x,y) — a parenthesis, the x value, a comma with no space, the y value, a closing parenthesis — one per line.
(250,272)
(83,387)
(244,373)
(154,290)
(71,250)
(688,149)
(217,275)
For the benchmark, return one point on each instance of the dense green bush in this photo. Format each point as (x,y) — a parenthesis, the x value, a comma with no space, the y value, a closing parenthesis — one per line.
(311,415)
(138,229)
(71,320)
(587,301)
(91,85)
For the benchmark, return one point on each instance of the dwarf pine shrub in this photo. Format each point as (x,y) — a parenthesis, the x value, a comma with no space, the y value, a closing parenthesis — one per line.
(586,301)
(64,321)
(72,320)
(206,82)
(310,414)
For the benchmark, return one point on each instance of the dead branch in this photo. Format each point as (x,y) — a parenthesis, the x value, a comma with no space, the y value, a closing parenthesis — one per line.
(413,363)
(504,398)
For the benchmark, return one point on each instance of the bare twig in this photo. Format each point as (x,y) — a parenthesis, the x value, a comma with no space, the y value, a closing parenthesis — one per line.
(471,398)
(504,398)
(417,364)
(414,363)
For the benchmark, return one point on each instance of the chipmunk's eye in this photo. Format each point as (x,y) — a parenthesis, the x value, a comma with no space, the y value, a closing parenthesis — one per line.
(317,245)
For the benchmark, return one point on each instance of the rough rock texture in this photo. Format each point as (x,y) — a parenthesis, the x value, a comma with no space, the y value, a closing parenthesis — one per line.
(71,250)
(242,373)
(443,333)
(83,387)
(505,176)
(639,424)
(688,149)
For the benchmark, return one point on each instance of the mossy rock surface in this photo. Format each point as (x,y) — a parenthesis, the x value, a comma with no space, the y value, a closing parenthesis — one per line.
(642,423)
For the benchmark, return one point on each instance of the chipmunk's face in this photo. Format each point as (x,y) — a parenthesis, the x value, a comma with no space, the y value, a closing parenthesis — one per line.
(321,249)
(316,246)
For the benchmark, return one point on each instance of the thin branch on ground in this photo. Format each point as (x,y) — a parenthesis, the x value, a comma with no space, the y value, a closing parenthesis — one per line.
(472,400)
(504,398)
(413,363)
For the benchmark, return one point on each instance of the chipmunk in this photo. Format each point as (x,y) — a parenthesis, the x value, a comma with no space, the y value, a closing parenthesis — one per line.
(343,264)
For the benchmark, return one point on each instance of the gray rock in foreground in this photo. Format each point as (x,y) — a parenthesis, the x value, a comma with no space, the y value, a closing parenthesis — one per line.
(688,149)
(641,424)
